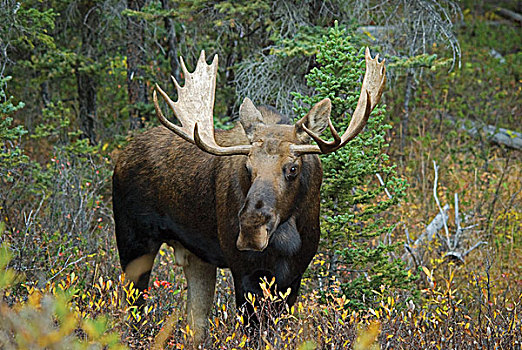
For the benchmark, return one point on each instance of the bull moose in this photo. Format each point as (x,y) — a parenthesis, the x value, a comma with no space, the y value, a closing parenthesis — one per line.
(245,199)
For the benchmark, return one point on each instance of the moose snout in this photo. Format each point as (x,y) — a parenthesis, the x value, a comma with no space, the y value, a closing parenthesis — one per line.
(256,216)
(256,223)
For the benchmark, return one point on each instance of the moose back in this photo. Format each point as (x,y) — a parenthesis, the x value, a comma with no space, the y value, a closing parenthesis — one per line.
(246,199)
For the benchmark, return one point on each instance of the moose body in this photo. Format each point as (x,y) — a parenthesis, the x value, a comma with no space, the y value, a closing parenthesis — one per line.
(158,199)
(247,198)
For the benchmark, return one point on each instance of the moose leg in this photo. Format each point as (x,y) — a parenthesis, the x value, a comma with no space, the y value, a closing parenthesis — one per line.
(136,256)
(201,282)
(138,270)
(245,308)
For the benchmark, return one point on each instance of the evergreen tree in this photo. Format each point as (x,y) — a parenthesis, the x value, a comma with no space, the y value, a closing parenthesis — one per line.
(353,200)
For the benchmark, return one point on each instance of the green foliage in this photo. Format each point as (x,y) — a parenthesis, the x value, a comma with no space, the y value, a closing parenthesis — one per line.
(64,196)
(483,89)
(420,61)
(26,27)
(354,202)
(303,44)
(62,193)
(55,124)
(12,157)
(7,275)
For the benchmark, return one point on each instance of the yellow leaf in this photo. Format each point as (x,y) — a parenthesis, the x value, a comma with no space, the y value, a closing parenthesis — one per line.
(427,272)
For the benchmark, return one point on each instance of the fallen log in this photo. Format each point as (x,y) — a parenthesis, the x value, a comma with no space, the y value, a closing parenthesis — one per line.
(508,138)
(516,17)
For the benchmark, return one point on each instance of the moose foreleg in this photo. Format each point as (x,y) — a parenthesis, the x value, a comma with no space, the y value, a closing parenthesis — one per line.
(201,281)
(138,271)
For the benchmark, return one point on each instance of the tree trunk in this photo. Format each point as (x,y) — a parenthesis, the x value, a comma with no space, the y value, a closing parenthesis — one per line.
(87,101)
(172,43)
(44,92)
(406,116)
(86,80)
(516,17)
(136,87)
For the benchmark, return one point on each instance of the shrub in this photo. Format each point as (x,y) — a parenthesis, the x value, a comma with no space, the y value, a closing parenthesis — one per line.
(47,321)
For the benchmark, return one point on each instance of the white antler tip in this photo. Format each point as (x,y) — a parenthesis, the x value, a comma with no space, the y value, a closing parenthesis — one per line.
(202,57)
(176,84)
(183,66)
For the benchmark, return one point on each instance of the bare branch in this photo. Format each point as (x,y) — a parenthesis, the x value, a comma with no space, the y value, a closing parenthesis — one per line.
(422,242)
(438,203)
(66,265)
(412,254)
(456,241)
(383,185)
(478,244)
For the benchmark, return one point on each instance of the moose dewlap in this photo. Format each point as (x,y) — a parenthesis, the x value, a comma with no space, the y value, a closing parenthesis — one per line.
(246,199)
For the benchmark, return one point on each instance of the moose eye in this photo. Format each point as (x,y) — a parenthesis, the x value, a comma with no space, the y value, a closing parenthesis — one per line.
(291,172)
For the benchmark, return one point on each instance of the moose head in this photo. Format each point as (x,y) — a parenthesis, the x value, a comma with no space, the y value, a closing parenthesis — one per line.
(274,151)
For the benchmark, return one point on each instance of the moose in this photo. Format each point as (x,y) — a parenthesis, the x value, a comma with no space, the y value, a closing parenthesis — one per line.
(246,199)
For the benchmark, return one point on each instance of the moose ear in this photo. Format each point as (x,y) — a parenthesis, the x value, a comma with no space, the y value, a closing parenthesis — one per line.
(315,120)
(249,117)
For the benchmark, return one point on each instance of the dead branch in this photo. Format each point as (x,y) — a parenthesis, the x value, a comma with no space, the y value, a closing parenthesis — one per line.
(444,222)
(415,252)
(383,185)
(459,256)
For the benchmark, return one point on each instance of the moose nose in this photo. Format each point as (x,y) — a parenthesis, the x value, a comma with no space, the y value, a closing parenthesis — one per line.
(256,222)
(256,213)
(259,204)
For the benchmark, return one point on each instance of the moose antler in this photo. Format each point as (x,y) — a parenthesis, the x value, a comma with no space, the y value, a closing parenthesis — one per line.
(195,108)
(195,105)
(371,91)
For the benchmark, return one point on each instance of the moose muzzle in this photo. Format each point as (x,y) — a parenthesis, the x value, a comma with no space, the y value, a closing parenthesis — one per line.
(253,238)
(257,223)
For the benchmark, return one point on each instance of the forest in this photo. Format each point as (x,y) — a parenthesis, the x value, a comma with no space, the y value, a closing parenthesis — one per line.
(421,213)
